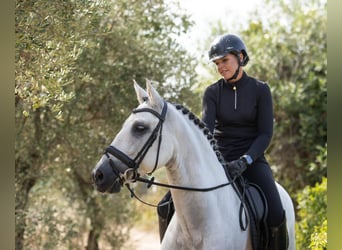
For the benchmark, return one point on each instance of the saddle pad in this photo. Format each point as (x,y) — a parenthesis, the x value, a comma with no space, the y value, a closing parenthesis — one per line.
(257,209)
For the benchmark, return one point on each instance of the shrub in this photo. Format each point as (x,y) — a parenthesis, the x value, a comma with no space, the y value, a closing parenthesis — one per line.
(312,226)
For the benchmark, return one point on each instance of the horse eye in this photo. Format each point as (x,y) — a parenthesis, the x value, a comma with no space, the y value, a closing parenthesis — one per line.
(139,128)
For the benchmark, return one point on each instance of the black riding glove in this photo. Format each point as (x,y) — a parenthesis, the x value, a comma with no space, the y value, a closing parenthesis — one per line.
(237,167)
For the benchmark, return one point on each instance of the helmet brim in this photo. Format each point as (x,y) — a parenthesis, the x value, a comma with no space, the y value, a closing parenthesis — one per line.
(217,57)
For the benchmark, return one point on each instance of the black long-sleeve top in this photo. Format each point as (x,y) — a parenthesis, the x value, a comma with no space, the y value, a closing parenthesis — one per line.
(240,115)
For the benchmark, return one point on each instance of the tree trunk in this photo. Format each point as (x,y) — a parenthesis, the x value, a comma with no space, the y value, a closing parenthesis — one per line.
(25,184)
(94,212)
(93,238)
(26,175)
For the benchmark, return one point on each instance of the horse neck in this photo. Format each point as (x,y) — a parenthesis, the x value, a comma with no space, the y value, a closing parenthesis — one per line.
(195,160)
(196,165)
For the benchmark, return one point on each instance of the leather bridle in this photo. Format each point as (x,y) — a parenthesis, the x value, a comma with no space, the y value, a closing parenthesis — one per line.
(133,164)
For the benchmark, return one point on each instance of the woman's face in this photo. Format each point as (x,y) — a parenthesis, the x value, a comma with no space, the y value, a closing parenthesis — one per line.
(227,65)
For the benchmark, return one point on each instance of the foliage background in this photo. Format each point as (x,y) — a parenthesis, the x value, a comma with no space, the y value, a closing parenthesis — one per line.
(74,64)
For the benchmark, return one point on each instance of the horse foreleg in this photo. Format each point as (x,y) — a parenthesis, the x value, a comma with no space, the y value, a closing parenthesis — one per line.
(172,237)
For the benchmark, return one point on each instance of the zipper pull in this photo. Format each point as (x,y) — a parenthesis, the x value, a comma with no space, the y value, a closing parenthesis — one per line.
(235,96)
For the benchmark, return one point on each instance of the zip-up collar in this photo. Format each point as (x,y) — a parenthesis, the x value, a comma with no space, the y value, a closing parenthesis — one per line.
(235,96)
(237,85)
(240,82)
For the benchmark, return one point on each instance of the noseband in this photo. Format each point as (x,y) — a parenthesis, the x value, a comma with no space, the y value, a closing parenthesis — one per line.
(133,164)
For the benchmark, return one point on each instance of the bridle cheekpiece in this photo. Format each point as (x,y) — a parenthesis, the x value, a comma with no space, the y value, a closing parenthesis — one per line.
(133,164)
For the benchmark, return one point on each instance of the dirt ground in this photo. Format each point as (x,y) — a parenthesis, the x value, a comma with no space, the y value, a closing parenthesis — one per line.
(143,240)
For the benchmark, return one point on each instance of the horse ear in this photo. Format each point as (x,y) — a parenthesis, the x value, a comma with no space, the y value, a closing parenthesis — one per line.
(154,97)
(141,93)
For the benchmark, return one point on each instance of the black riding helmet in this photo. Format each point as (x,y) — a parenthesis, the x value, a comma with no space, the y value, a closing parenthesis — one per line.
(226,44)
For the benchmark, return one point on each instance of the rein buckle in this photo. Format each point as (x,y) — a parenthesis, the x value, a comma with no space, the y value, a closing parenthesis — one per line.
(129,176)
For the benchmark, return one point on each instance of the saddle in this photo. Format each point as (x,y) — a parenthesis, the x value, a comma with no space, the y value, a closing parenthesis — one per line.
(254,202)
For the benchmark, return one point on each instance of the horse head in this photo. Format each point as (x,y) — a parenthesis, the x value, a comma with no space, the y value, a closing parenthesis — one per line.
(138,148)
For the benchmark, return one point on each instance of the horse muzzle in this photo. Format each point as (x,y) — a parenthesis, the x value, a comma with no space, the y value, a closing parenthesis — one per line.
(105,179)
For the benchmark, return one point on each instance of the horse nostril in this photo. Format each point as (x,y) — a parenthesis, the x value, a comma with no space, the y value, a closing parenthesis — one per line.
(98,175)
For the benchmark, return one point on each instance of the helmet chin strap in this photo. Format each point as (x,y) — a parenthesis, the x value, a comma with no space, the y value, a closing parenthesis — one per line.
(235,74)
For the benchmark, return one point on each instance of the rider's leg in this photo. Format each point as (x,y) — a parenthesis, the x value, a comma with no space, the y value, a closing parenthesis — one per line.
(260,173)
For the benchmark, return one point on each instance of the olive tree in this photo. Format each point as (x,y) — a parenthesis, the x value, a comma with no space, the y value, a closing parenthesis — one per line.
(75,63)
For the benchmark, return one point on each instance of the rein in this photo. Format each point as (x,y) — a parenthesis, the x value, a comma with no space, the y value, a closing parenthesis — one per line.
(152,182)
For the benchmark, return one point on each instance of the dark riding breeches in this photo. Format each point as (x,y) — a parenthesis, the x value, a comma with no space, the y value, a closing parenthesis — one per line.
(260,173)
